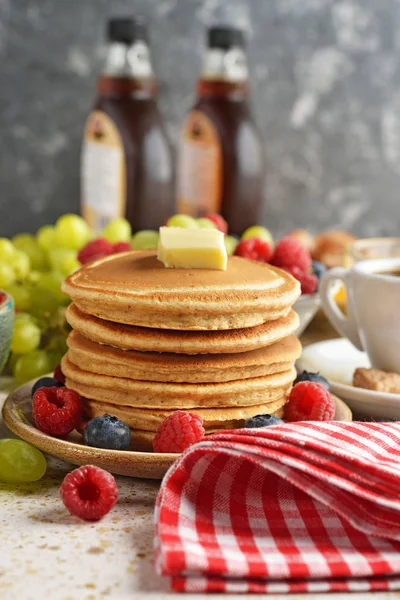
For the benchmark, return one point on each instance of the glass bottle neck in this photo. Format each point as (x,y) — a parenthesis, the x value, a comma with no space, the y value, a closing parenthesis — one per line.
(225,73)
(127,70)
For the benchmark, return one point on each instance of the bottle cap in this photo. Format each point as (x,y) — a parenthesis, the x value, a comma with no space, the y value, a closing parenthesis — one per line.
(225,38)
(127,30)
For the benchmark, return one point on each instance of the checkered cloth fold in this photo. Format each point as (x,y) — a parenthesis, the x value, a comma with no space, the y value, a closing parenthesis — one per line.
(302,507)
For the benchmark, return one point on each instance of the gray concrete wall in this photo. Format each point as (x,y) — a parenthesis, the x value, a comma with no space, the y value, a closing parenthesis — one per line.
(325,80)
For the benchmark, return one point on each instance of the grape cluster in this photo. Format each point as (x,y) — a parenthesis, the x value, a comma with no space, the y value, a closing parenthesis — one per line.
(32,269)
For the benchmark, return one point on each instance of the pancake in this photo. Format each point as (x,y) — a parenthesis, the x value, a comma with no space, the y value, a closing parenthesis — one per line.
(150,394)
(166,367)
(145,339)
(135,288)
(213,418)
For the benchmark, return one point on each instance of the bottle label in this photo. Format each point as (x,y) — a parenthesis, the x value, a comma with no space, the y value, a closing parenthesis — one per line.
(103,172)
(199,166)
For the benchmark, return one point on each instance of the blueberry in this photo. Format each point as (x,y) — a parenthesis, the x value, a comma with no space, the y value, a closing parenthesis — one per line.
(314,377)
(46,382)
(262,421)
(107,432)
(318,268)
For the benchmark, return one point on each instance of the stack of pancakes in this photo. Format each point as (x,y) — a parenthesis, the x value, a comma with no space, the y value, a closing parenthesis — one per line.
(147,341)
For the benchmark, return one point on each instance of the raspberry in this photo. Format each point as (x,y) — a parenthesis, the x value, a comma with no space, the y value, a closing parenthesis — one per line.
(178,432)
(308,281)
(219,221)
(56,411)
(122,247)
(95,249)
(289,252)
(255,249)
(89,492)
(58,374)
(310,401)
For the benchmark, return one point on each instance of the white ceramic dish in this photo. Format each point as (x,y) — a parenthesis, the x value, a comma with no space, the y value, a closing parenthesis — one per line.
(306,307)
(336,360)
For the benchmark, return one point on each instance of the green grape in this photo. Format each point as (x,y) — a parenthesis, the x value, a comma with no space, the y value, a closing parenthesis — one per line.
(21,295)
(20,462)
(46,237)
(204,223)
(43,303)
(51,282)
(7,250)
(184,221)
(70,265)
(57,347)
(22,240)
(230,244)
(24,316)
(256,231)
(21,264)
(145,240)
(34,276)
(7,276)
(117,230)
(63,260)
(72,232)
(31,365)
(26,337)
(12,361)
(55,357)
(27,243)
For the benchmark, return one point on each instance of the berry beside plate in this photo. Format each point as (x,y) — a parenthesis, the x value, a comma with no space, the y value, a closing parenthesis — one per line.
(89,492)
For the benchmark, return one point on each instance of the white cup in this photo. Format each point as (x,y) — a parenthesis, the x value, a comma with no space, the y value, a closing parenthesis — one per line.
(372,322)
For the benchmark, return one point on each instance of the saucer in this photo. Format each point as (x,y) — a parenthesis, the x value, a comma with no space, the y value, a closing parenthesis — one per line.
(336,360)
(306,307)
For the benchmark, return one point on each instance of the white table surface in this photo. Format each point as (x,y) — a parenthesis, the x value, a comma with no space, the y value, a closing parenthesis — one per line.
(46,553)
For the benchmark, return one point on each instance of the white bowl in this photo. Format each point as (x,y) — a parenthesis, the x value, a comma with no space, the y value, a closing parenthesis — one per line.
(306,307)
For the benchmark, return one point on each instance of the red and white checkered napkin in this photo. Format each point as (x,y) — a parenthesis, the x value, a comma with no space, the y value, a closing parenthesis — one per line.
(302,507)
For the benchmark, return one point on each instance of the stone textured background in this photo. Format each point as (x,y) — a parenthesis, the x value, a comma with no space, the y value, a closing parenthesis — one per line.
(325,89)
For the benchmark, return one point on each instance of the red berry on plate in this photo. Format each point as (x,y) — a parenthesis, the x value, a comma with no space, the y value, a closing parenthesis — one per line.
(122,247)
(178,432)
(310,401)
(308,281)
(95,249)
(289,252)
(58,374)
(56,411)
(219,221)
(255,249)
(89,492)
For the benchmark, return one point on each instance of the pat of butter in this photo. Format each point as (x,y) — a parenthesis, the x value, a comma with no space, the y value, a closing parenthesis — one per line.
(192,248)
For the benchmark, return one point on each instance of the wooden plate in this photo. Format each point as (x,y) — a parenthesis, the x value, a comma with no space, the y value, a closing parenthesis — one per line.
(17,415)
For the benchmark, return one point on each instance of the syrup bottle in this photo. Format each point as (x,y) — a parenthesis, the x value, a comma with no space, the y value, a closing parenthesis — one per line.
(220,161)
(126,163)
